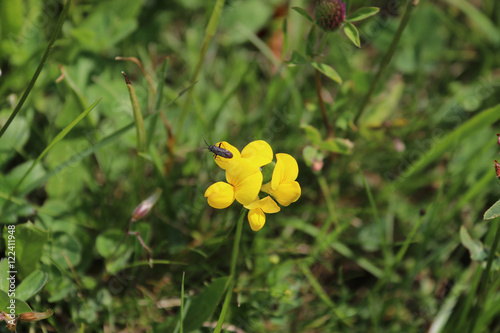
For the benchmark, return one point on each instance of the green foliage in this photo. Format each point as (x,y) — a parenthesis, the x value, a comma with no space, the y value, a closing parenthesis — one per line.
(353,33)
(493,211)
(362,13)
(30,241)
(392,120)
(203,305)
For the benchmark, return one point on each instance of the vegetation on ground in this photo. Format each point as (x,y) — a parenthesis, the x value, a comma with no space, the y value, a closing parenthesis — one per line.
(359,195)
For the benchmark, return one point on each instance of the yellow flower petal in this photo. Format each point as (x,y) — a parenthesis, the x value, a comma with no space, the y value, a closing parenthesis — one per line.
(267,188)
(258,152)
(248,189)
(224,162)
(254,205)
(257,219)
(286,170)
(286,193)
(220,195)
(246,179)
(269,206)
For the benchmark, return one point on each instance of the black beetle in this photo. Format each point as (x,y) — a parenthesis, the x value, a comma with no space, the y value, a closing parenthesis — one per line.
(218,151)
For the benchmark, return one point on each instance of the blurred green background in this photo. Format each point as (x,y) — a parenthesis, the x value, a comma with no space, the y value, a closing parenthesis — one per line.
(374,244)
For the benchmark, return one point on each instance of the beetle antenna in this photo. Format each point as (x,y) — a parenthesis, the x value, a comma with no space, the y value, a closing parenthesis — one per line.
(205,140)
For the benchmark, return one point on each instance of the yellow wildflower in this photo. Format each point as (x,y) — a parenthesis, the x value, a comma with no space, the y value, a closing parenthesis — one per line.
(258,152)
(258,208)
(245,180)
(283,186)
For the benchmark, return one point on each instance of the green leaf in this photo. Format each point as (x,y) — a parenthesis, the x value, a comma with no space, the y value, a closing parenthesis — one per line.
(17,173)
(65,246)
(296,59)
(14,138)
(4,300)
(475,247)
(97,32)
(29,245)
(31,285)
(328,71)
(107,242)
(312,134)
(203,305)
(21,306)
(4,268)
(303,13)
(352,33)
(362,14)
(337,145)
(493,211)
(267,172)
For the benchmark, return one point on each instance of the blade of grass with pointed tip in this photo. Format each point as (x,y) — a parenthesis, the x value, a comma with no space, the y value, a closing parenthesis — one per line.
(139,121)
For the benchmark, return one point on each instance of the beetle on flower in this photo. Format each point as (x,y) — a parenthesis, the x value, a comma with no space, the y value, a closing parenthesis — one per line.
(244,181)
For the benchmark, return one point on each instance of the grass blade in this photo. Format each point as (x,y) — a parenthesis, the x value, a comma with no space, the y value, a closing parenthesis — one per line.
(473,125)
(139,121)
(58,138)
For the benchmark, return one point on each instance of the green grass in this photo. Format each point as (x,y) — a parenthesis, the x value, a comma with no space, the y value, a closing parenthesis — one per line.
(395,143)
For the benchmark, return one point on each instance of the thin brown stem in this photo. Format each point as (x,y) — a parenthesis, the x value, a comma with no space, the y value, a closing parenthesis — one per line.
(329,128)
(387,58)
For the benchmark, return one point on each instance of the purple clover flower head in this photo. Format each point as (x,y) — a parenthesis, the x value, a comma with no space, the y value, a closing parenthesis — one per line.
(329,14)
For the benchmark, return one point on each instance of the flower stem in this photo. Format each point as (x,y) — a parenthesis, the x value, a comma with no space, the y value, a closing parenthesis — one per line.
(232,277)
(387,57)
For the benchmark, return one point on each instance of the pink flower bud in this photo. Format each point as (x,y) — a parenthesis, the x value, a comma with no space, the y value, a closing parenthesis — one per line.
(145,206)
